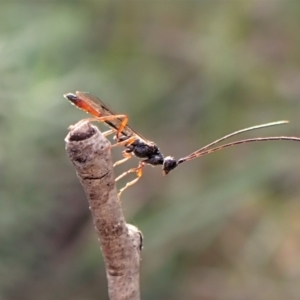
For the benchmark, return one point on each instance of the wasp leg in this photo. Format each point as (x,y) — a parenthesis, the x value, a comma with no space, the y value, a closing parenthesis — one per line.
(126,142)
(123,125)
(84,120)
(105,133)
(108,132)
(126,155)
(113,117)
(128,172)
(108,118)
(71,127)
(139,174)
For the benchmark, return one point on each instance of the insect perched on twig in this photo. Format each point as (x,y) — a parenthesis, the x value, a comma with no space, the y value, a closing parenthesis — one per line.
(146,150)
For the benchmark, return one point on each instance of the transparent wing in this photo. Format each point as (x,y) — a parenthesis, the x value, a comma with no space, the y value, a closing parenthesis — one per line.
(97,108)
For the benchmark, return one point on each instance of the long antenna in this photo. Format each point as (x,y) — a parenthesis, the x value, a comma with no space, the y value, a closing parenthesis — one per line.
(241,131)
(200,152)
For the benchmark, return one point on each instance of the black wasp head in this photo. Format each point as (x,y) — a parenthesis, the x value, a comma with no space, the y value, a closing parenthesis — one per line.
(169,164)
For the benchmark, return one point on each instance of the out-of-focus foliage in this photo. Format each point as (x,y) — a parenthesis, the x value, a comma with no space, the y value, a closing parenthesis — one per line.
(225,226)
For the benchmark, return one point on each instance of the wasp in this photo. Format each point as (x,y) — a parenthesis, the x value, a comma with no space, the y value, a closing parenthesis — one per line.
(147,151)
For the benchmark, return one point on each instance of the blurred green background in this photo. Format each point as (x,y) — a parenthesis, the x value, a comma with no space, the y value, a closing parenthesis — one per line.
(225,226)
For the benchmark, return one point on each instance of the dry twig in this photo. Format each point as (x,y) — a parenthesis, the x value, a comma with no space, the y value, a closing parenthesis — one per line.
(121,243)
